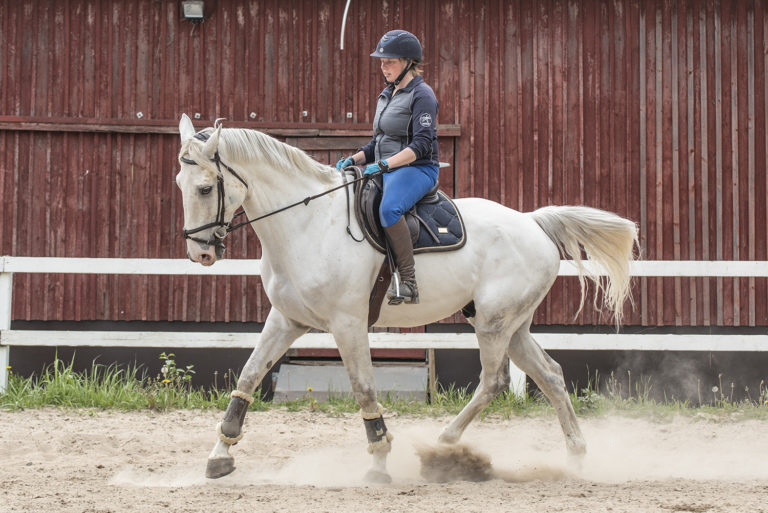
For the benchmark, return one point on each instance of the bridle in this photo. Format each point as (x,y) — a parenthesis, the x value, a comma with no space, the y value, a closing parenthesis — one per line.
(223,228)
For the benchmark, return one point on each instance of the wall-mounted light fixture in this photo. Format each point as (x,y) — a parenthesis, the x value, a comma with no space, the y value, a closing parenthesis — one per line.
(194,10)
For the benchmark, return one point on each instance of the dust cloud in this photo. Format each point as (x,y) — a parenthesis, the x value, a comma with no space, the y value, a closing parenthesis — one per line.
(516,451)
(618,450)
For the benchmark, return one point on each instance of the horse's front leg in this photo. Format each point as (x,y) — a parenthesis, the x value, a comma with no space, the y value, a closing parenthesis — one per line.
(352,341)
(277,336)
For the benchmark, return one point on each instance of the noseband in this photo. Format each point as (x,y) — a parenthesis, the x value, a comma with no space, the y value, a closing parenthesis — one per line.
(222,227)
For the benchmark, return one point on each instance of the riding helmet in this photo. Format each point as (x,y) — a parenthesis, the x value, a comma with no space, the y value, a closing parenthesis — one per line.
(398,44)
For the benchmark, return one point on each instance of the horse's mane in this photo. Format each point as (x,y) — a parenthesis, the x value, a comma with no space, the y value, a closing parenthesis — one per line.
(244,145)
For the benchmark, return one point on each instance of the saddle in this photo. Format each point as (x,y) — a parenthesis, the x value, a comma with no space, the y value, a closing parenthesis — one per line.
(434,222)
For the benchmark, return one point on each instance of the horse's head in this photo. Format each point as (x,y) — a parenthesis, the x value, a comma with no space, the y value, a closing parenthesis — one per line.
(209,196)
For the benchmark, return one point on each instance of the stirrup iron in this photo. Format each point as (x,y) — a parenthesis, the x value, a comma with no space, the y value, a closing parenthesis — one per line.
(395,295)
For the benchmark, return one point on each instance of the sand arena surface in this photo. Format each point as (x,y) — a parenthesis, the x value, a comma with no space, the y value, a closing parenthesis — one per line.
(98,462)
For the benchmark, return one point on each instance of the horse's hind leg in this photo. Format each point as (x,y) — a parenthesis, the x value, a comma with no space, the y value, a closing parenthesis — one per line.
(277,336)
(494,378)
(548,375)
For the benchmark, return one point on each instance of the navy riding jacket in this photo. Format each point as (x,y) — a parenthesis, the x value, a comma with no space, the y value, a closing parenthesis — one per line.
(407,119)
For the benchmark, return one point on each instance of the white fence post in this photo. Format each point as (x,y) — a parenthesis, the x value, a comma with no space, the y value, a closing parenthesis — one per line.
(6,290)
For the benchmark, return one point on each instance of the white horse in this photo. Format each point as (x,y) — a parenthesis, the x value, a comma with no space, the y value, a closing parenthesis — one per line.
(317,277)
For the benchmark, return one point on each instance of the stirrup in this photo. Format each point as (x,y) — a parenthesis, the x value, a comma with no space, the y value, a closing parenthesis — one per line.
(406,292)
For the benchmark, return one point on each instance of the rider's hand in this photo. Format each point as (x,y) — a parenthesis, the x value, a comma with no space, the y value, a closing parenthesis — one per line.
(376,168)
(345,163)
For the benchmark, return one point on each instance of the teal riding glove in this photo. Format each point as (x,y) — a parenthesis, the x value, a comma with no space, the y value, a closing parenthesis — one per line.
(379,167)
(345,163)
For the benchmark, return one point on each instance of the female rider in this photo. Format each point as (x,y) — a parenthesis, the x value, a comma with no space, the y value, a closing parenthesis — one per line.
(403,148)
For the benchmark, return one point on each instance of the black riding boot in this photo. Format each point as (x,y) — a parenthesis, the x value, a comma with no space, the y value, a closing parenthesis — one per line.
(399,237)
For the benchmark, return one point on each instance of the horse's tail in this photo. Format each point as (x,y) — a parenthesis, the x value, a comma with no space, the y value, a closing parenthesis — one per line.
(608,240)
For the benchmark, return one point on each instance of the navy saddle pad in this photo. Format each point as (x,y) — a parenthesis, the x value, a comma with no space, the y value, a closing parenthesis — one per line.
(435,222)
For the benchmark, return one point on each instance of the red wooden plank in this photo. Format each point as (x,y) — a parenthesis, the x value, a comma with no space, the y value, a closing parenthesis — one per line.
(557,123)
(479,178)
(677,152)
(725,163)
(558,119)
(464,171)
(526,125)
(744,188)
(696,228)
(654,125)
(668,185)
(5,57)
(493,123)
(685,155)
(734,172)
(760,23)
(14,104)
(632,170)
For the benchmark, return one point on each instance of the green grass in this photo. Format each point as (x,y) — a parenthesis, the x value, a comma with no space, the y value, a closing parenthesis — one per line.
(113,387)
(128,388)
(637,401)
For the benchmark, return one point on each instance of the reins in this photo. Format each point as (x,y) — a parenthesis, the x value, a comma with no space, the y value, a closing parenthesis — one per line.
(224,228)
(305,202)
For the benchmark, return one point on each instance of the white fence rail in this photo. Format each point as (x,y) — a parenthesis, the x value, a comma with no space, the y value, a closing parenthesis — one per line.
(142,266)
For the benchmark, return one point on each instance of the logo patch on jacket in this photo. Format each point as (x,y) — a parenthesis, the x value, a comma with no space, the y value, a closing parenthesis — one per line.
(425,120)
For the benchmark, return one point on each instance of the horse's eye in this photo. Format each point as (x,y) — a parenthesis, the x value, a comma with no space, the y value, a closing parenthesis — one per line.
(206,190)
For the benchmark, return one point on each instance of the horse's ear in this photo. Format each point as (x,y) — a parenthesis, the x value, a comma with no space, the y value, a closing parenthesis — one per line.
(186,130)
(212,144)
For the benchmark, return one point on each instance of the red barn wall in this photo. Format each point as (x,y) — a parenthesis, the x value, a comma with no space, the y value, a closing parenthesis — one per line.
(654,110)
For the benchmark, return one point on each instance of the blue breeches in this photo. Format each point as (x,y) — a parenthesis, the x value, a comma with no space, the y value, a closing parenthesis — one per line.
(403,187)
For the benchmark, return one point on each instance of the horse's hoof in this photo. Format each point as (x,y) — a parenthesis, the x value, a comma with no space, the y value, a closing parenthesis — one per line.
(219,467)
(448,439)
(377,477)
